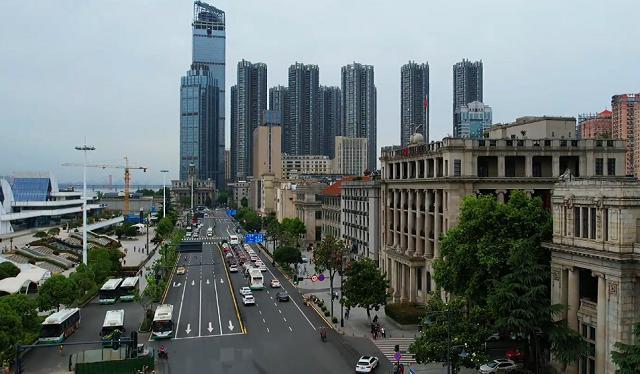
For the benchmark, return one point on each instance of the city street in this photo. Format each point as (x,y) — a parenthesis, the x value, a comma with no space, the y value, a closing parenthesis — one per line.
(279,337)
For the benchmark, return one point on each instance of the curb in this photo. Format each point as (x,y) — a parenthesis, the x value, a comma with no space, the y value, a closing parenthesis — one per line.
(321,315)
(170,282)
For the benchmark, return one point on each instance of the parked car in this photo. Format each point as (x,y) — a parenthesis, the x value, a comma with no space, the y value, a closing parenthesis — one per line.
(515,354)
(498,366)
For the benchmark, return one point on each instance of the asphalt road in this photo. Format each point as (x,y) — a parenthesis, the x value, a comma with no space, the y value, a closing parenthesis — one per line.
(278,337)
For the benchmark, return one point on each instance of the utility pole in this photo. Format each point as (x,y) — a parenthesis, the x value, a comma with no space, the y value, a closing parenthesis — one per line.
(84,148)
(148,221)
(164,192)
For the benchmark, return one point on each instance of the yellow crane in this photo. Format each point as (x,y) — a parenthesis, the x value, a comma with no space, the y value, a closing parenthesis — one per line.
(127,177)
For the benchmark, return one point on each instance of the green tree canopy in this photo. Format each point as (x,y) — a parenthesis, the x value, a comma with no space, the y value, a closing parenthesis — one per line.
(329,256)
(223,197)
(365,286)
(25,307)
(244,202)
(84,279)
(287,255)
(164,228)
(10,329)
(55,291)
(627,356)
(8,270)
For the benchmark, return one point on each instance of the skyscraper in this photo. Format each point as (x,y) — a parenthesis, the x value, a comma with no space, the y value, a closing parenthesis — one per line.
(475,119)
(304,114)
(330,118)
(279,101)
(202,98)
(251,96)
(414,101)
(625,121)
(267,149)
(467,87)
(359,107)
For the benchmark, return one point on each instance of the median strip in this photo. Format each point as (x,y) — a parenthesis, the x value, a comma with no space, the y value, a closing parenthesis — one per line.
(233,295)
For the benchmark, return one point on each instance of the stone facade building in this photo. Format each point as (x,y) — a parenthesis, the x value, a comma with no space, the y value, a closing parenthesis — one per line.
(285,200)
(294,166)
(331,212)
(595,263)
(309,209)
(423,186)
(203,192)
(360,205)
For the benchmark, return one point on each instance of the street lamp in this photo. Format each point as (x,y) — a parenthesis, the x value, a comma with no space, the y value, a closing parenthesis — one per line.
(164,195)
(84,148)
(447,313)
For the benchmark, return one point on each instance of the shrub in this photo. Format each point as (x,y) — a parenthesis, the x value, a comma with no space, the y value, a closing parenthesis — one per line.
(40,234)
(54,231)
(405,313)
(334,319)
(57,253)
(8,270)
(326,313)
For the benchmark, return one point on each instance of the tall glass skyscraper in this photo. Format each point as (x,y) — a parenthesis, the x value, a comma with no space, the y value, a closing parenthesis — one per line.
(202,98)
(414,101)
(467,87)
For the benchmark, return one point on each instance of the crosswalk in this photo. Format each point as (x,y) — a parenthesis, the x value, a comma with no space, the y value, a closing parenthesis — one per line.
(387,345)
(207,239)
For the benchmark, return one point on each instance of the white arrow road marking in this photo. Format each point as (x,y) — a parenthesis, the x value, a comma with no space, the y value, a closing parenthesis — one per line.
(210,328)
(193,282)
(176,284)
(188,328)
(221,281)
(207,281)
(230,325)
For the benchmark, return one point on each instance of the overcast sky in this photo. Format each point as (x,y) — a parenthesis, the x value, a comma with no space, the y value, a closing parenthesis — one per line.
(109,70)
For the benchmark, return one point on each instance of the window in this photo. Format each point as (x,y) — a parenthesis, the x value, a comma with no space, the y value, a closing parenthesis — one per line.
(576,222)
(585,223)
(611,166)
(592,218)
(605,224)
(457,168)
(599,166)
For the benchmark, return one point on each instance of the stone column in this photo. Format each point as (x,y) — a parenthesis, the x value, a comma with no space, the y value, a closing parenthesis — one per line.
(428,223)
(420,244)
(403,285)
(555,166)
(389,219)
(395,280)
(528,166)
(601,327)
(413,290)
(500,195)
(403,220)
(436,230)
(396,218)
(410,213)
(501,166)
(573,298)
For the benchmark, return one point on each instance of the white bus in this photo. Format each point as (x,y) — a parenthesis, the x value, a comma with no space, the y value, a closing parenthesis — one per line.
(233,239)
(113,320)
(59,326)
(128,289)
(162,326)
(109,292)
(255,279)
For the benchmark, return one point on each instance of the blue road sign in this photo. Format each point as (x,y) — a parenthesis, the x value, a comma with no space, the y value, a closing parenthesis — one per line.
(253,238)
(232,212)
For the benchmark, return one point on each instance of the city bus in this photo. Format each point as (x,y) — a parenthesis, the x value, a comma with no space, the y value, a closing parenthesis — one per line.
(162,326)
(255,279)
(109,292)
(128,289)
(233,239)
(59,326)
(113,320)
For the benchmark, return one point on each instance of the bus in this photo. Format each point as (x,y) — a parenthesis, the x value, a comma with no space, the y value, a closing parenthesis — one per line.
(233,239)
(113,320)
(128,289)
(109,292)
(59,326)
(162,326)
(255,279)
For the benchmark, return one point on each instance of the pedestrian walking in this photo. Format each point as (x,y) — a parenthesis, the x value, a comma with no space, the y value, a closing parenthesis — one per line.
(375,319)
(382,332)
(346,314)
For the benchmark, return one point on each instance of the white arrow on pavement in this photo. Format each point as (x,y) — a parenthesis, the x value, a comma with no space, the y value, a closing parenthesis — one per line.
(176,285)
(193,283)
(230,325)
(210,328)
(221,281)
(188,328)
(207,281)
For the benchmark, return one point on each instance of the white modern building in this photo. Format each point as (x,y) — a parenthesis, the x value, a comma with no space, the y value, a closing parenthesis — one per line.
(295,166)
(351,156)
(34,200)
(475,119)
(361,210)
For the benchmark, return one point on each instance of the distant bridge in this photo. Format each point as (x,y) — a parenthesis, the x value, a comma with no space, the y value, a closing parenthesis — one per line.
(114,187)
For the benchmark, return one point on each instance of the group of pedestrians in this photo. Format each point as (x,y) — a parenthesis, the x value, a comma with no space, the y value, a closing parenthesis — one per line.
(377,329)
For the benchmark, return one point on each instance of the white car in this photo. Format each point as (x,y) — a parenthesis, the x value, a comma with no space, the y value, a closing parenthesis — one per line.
(366,364)
(498,366)
(248,300)
(245,291)
(275,283)
(262,267)
(233,269)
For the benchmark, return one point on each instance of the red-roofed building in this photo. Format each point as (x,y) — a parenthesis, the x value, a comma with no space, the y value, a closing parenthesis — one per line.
(331,209)
(598,127)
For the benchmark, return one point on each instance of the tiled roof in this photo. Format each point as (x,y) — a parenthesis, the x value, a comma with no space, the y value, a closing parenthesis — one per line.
(336,188)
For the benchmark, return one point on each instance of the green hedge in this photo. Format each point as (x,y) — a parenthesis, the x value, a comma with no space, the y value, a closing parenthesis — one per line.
(405,313)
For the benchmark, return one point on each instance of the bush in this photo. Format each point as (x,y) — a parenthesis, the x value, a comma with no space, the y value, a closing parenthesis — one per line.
(54,231)
(8,270)
(405,313)
(334,319)
(326,313)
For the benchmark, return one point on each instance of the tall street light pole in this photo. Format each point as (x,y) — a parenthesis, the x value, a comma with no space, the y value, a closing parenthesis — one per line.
(164,193)
(84,148)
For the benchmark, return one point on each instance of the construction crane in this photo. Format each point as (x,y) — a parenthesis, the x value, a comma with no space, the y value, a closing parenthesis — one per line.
(127,177)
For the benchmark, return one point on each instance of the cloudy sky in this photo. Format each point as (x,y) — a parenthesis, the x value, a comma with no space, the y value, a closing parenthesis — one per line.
(109,70)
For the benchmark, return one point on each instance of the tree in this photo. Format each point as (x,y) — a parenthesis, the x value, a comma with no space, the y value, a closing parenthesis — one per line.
(290,231)
(164,228)
(8,270)
(83,278)
(287,255)
(627,356)
(455,323)
(104,261)
(329,256)
(223,197)
(244,202)
(25,307)
(365,286)
(54,231)
(10,329)
(55,291)
(274,229)
(475,252)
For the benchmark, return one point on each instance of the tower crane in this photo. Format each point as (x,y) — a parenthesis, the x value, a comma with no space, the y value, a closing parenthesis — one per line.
(127,177)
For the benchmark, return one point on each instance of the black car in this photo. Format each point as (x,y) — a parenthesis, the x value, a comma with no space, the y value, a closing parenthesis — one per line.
(282,296)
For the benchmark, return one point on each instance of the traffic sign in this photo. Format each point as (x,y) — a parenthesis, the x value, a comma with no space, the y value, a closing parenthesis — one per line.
(253,238)
(321,277)
(397,356)
(314,278)
(232,212)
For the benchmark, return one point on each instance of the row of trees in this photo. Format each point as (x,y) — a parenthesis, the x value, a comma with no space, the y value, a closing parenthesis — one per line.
(497,276)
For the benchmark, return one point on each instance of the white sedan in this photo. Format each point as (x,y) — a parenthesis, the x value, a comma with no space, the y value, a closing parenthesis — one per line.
(498,366)
(248,300)
(366,364)
(245,291)
(275,283)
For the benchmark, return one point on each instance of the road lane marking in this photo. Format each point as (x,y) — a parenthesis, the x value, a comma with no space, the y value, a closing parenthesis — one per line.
(290,329)
(215,287)
(263,321)
(268,330)
(280,311)
(200,312)
(188,328)
(259,311)
(208,336)
(230,325)
(210,328)
(180,311)
(284,319)
(193,282)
